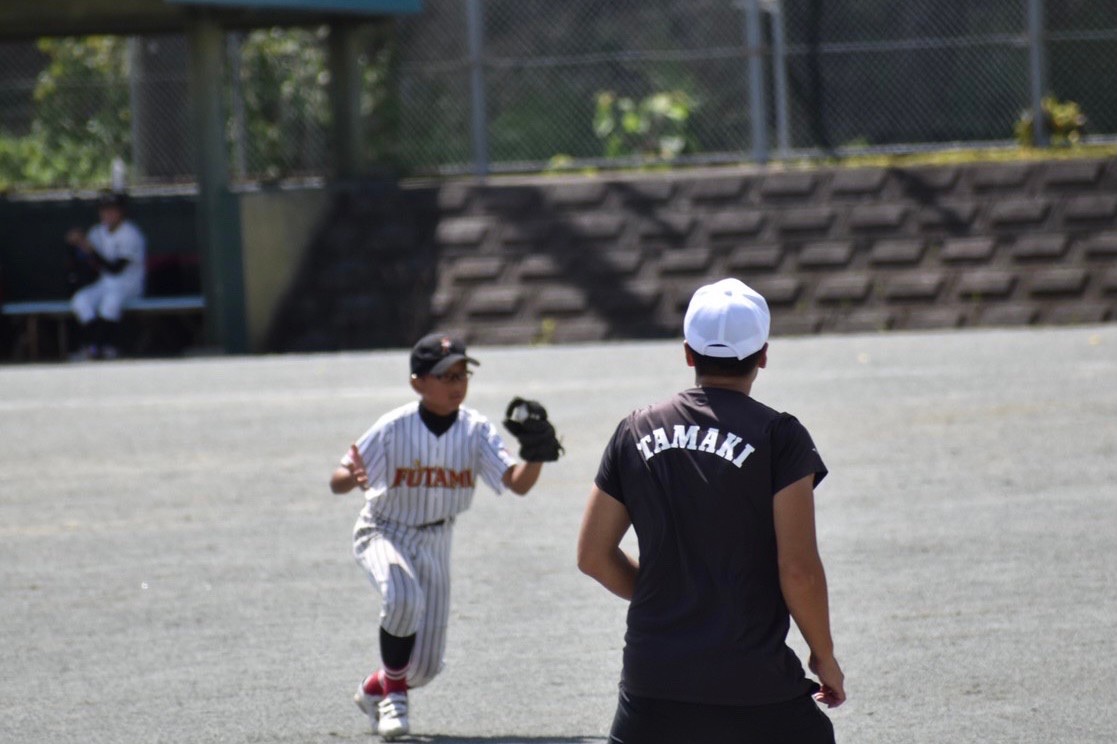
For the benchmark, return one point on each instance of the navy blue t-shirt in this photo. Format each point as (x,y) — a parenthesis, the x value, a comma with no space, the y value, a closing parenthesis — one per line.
(697,474)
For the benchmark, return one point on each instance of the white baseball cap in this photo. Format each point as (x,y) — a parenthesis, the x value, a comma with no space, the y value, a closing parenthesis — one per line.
(727,319)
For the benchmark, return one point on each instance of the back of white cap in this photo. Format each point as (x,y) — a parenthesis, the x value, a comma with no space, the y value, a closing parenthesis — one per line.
(727,319)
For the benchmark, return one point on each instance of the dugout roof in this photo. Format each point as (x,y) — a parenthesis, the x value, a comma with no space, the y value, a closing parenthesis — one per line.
(23,20)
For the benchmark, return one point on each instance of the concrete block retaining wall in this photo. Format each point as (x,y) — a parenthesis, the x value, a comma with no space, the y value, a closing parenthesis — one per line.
(833,250)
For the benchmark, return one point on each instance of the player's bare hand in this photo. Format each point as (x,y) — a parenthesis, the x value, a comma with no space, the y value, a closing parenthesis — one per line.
(357,467)
(831,679)
(76,238)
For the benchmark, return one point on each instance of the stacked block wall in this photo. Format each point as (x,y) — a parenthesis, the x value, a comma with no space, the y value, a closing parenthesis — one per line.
(833,251)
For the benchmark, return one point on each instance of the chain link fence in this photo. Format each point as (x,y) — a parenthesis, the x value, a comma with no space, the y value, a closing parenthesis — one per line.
(522,85)
(840,76)
(70,107)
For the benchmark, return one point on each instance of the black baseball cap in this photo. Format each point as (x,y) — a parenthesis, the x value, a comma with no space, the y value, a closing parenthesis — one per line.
(435,353)
(112,199)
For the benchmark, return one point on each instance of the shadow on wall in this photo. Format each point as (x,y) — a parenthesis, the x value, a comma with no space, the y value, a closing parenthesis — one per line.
(372,279)
(368,277)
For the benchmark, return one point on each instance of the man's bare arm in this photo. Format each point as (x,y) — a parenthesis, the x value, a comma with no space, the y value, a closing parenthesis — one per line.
(599,554)
(803,581)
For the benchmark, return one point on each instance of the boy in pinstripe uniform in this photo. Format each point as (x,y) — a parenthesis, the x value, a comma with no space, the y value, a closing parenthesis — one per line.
(418,466)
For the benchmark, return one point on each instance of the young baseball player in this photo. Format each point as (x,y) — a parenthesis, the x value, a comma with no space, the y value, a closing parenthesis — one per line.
(418,466)
(116,247)
(720,491)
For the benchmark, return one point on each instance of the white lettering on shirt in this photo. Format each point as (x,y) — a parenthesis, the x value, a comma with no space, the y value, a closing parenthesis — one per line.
(726,448)
(709,442)
(687,437)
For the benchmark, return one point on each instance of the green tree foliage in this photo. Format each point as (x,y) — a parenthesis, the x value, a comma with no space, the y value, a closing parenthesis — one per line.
(1063,121)
(285,84)
(82,119)
(654,128)
(380,104)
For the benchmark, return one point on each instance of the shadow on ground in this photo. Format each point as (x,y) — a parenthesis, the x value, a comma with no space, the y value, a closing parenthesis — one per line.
(503,740)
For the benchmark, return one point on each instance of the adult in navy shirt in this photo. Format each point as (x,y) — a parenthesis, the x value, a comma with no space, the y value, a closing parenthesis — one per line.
(719,489)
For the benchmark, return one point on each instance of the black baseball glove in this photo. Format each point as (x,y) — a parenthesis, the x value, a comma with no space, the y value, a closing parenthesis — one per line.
(527,421)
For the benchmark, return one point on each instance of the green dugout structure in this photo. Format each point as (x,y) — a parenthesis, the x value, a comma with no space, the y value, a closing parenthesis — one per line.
(204,23)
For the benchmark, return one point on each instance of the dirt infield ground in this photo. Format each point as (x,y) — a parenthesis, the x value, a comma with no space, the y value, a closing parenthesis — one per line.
(173,567)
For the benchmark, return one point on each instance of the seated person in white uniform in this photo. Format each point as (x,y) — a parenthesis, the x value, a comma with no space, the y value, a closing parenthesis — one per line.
(116,246)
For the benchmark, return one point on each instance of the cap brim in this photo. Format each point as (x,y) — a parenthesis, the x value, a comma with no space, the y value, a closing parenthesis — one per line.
(449,361)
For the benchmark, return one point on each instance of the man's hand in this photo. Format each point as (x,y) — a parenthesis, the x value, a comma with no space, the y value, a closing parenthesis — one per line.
(830,677)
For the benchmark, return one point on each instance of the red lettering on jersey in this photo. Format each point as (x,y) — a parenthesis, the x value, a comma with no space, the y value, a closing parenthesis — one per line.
(460,479)
(432,478)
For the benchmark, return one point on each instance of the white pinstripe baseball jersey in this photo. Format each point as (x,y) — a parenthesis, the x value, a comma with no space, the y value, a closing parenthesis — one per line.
(417,478)
(127,242)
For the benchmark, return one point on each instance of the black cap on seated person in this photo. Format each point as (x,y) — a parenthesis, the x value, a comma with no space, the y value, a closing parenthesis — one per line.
(112,199)
(435,353)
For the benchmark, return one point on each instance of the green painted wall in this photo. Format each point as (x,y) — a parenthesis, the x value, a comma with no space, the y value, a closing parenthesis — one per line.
(276,228)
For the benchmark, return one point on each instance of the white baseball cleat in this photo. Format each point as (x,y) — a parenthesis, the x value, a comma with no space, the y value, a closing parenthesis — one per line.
(369,705)
(393,715)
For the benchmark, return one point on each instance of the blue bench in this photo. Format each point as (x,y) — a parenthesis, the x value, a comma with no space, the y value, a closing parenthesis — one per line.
(32,312)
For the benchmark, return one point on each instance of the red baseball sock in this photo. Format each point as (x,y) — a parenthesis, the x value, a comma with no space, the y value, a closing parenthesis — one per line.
(373,685)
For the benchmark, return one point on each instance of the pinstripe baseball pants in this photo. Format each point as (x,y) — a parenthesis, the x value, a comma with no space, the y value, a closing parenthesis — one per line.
(410,568)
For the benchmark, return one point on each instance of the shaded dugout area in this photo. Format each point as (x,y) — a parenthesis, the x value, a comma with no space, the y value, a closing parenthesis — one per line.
(204,23)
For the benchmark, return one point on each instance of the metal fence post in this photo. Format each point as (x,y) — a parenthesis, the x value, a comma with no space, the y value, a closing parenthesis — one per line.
(235,42)
(344,55)
(218,210)
(779,82)
(479,124)
(757,109)
(1037,64)
(135,101)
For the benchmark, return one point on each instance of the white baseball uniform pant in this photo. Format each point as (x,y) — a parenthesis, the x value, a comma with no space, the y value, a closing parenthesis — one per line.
(410,568)
(104,298)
